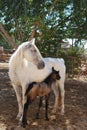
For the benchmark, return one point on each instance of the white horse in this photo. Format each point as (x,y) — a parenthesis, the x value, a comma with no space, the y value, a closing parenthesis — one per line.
(58,87)
(23,69)
(18,69)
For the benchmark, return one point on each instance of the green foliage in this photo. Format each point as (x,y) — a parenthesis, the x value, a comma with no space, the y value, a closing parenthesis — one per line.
(54,21)
(73,58)
(5,44)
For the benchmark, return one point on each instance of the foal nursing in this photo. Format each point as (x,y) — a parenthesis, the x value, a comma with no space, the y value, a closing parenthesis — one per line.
(39,89)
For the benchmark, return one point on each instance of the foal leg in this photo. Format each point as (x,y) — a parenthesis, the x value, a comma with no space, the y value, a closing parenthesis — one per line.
(40,104)
(24,118)
(46,106)
(19,100)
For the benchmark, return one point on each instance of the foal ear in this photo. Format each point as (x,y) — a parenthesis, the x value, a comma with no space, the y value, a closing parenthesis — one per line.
(58,71)
(52,68)
(32,41)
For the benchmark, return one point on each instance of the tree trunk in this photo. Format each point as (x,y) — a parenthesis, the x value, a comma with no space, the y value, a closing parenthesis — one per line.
(7,37)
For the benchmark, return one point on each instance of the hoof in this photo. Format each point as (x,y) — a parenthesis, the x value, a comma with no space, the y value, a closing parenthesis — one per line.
(53,117)
(47,119)
(53,111)
(62,113)
(19,116)
(37,116)
(24,124)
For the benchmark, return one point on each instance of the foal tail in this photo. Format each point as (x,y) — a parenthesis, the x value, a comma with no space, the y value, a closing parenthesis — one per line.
(30,86)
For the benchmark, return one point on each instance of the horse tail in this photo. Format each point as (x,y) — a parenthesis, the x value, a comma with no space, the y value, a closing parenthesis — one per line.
(30,86)
(59,98)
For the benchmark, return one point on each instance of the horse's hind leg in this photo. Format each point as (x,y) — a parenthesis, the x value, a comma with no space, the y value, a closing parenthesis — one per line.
(62,94)
(56,93)
(59,97)
(19,100)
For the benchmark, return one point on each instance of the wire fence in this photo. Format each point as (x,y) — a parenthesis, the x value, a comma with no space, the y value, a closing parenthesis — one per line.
(76,68)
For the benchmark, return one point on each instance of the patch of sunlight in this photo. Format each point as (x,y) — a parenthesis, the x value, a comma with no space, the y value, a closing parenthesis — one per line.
(68,125)
(3,126)
(4,65)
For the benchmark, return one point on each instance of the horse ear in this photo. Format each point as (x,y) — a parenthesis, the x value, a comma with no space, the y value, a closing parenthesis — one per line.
(32,41)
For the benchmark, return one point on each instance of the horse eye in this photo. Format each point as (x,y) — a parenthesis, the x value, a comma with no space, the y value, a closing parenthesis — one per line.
(34,50)
(30,46)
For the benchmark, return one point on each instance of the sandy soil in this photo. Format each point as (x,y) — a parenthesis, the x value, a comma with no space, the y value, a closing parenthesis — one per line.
(75,117)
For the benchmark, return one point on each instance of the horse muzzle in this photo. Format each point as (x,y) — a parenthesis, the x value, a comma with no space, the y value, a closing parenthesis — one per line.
(41,65)
(58,77)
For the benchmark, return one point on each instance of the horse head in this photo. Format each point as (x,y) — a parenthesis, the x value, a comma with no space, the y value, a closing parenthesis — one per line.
(32,54)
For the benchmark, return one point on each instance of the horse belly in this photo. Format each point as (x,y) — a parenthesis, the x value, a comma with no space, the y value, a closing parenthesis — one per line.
(58,64)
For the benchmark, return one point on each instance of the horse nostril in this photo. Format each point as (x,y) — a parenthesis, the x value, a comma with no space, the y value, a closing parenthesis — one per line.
(41,65)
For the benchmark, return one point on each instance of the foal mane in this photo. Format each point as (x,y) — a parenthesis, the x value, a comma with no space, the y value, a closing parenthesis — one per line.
(48,78)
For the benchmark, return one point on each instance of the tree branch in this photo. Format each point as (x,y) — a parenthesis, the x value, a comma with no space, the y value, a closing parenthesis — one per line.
(7,37)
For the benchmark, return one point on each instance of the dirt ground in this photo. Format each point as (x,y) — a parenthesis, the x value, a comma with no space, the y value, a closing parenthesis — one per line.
(75,117)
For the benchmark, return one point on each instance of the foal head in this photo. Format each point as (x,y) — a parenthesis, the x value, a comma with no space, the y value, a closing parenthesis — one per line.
(55,75)
(32,54)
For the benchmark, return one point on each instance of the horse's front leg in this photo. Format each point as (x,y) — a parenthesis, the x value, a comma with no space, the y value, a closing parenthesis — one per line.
(19,100)
(25,104)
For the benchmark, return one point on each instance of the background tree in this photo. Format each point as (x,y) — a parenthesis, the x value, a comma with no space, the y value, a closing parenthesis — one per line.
(49,21)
